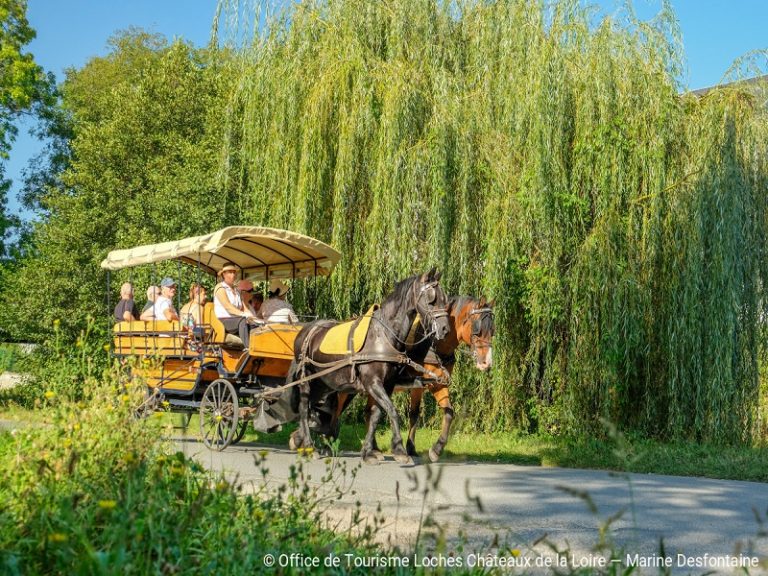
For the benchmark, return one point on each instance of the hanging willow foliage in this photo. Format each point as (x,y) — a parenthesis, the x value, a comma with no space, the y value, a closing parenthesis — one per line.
(543,160)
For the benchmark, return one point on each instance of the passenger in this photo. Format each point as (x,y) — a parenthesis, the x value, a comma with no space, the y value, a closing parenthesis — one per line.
(277,308)
(228,304)
(126,310)
(252,300)
(147,313)
(163,308)
(192,312)
(257,299)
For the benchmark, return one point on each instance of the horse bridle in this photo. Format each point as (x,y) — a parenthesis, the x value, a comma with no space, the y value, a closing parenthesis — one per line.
(475,336)
(432,313)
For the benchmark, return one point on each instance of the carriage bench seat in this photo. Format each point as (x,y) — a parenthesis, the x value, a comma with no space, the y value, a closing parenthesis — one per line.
(150,338)
(218,335)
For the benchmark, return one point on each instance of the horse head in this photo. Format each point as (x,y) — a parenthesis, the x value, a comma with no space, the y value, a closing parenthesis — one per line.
(481,333)
(432,304)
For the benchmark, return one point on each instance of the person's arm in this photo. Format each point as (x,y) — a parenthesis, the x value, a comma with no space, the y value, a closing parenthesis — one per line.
(221,295)
(128,317)
(148,314)
(170,314)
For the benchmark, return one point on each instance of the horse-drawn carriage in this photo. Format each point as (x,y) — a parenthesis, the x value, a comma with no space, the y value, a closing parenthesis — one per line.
(289,372)
(204,369)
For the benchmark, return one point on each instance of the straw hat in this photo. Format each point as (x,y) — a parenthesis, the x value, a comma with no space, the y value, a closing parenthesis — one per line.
(228,267)
(277,287)
(245,285)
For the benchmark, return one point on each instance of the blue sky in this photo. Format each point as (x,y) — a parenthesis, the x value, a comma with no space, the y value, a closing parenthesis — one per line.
(69,32)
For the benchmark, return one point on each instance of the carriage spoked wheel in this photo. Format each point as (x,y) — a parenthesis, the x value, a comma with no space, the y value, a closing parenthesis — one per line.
(218,414)
(242,427)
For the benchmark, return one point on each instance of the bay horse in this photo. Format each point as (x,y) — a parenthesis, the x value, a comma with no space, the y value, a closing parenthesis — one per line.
(471,323)
(373,369)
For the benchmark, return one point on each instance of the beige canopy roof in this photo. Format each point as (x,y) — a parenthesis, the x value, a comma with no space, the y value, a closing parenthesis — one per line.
(259,253)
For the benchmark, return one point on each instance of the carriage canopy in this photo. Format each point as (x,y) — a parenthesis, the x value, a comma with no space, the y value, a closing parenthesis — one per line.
(260,253)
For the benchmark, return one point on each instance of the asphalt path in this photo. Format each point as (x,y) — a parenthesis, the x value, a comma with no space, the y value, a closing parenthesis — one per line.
(546,515)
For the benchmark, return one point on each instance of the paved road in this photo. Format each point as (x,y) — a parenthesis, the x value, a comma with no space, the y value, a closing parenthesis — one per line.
(532,507)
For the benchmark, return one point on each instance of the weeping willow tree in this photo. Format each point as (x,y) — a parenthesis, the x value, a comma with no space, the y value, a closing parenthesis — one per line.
(539,157)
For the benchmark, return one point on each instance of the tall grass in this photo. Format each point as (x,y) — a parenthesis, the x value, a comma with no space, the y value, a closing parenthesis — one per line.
(538,156)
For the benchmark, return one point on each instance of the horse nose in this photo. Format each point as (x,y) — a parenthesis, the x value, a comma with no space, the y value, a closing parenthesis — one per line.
(484,364)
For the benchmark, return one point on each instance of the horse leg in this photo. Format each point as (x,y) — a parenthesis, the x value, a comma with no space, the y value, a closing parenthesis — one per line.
(385,403)
(335,425)
(413,420)
(374,444)
(303,437)
(367,454)
(444,401)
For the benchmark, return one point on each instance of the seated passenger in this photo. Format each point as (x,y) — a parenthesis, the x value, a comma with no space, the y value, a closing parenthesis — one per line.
(228,304)
(163,308)
(252,300)
(147,313)
(126,311)
(277,308)
(192,312)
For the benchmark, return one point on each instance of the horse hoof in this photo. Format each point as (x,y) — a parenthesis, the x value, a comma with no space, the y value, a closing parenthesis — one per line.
(403,458)
(371,459)
(411,450)
(378,455)
(433,456)
(294,444)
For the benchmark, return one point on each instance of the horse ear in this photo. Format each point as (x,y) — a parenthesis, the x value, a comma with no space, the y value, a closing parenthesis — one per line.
(492,303)
(482,302)
(437,275)
(428,276)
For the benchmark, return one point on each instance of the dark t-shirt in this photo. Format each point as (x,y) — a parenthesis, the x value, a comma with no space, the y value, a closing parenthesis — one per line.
(123,306)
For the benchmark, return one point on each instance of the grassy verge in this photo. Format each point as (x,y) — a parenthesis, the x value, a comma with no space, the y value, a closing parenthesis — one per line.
(617,453)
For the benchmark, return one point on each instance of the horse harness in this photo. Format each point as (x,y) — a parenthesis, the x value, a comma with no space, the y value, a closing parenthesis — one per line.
(353,360)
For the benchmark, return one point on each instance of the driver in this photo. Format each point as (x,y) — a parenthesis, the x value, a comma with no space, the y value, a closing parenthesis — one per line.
(228,304)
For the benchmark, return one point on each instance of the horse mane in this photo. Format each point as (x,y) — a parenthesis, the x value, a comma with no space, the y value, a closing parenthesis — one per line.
(457,303)
(401,289)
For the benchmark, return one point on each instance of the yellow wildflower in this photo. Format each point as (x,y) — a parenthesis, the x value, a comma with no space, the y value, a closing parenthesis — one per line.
(57,537)
(107,504)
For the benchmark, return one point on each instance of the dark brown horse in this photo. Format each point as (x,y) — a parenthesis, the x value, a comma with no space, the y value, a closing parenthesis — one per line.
(373,369)
(471,323)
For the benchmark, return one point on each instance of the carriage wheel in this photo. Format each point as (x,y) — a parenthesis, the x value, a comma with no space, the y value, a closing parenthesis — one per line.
(242,427)
(218,414)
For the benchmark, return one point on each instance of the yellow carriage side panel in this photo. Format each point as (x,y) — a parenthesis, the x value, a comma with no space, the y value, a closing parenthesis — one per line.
(274,341)
(275,367)
(171,374)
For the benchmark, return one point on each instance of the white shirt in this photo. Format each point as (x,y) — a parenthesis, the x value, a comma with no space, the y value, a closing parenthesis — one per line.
(162,304)
(233,295)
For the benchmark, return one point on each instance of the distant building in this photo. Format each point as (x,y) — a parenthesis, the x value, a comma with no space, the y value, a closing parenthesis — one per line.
(757,80)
